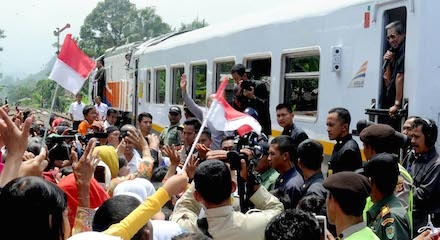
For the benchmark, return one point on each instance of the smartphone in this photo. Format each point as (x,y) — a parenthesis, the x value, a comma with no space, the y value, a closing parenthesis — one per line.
(322,220)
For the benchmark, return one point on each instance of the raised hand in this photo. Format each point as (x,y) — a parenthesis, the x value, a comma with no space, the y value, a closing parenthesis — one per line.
(34,165)
(183,83)
(172,154)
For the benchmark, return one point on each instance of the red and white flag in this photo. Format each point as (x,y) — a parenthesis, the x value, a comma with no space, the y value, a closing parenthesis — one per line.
(225,118)
(72,66)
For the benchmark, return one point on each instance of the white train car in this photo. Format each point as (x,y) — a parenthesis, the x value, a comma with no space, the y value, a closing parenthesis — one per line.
(320,54)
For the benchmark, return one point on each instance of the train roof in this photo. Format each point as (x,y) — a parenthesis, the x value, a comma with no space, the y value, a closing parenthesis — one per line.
(295,11)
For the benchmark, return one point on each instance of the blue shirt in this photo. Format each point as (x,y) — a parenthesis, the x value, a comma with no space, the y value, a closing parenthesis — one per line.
(290,183)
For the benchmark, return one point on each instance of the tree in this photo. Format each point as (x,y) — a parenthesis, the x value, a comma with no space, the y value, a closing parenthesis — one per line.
(195,24)
(103,27)
(2,35)
(117,22)
(147,25)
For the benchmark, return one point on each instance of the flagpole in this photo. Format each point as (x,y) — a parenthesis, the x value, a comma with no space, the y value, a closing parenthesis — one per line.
(204,123)
(50,112)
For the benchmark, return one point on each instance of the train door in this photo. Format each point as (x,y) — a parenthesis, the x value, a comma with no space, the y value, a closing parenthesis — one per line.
(391,106)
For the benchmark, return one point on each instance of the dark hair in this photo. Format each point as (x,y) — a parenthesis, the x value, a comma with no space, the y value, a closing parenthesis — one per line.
(34,145)
(159,174)
(287,106)
(64,123)
(207,132)
(286,144)
(87,109)
(144,114)
(310,153)
(111,111)
(397,25)
(240,69)
(101,60)
(34,129)
(293,224)
(194,122)
(227,138)
(114,210)
(122,160)
(429,130)
(212,180)
(313,204)
(351,204)
(33,199)
(191,236)
(343,114)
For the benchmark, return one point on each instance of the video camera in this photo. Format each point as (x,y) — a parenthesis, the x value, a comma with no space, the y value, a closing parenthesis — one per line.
(257,144)
(259,147)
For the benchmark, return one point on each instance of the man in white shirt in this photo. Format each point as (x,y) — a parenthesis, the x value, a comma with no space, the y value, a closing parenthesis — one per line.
(76,111)
(111,118)
(101,108)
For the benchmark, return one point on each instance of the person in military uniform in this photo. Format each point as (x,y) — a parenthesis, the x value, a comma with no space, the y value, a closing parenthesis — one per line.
(347,193)
(171,135)
(382,138)
(387,217)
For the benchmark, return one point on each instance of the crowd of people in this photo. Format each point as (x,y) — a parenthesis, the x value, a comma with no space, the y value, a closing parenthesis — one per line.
(99,179)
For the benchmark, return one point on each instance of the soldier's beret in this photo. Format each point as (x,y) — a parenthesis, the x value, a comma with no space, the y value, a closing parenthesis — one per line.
(348,182)
(379,134)
(382,164)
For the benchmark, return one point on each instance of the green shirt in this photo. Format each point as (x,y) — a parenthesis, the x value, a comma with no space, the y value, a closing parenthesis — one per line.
(358,232)
(170,135)
(389,219)
(269,178)
(363,234)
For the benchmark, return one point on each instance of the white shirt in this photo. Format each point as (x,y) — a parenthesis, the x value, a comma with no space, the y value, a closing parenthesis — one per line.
(102,110)
(106,125)
(76,109)
(135,161)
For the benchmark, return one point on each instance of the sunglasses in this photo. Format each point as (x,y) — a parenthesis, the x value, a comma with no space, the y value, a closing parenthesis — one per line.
(391,36)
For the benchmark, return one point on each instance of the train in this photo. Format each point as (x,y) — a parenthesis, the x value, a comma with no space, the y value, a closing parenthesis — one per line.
(317,55)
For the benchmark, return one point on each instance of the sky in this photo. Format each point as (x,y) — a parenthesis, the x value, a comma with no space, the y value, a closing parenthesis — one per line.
(29,24)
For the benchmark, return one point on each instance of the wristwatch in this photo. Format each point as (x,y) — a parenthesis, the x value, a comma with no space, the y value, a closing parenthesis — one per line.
(397,103)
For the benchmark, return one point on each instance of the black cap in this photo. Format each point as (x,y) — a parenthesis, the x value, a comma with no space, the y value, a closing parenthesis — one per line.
(175,109)
(381,165)
(348,182)
(379,134)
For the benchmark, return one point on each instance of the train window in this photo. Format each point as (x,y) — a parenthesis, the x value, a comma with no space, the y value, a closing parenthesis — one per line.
(160,85)
(175,87)
(301,79)
(198,73)
(148,86)
(222,70)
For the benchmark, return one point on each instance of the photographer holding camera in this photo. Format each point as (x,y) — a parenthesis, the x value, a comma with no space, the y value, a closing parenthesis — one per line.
(250,94)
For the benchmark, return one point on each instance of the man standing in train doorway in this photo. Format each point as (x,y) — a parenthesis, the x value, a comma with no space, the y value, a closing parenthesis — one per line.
(393,77)
(99,79)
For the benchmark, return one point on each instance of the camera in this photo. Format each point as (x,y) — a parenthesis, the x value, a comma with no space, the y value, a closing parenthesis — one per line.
(248,85)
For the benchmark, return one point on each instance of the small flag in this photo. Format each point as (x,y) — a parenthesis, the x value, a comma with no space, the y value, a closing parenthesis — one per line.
(226,118)
(72,66)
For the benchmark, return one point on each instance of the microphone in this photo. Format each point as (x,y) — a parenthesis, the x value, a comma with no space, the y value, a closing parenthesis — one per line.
(386,62)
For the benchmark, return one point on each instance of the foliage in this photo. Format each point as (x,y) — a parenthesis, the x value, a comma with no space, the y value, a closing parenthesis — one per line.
(118,22)
(2,35)
(195,24)
(146,25)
